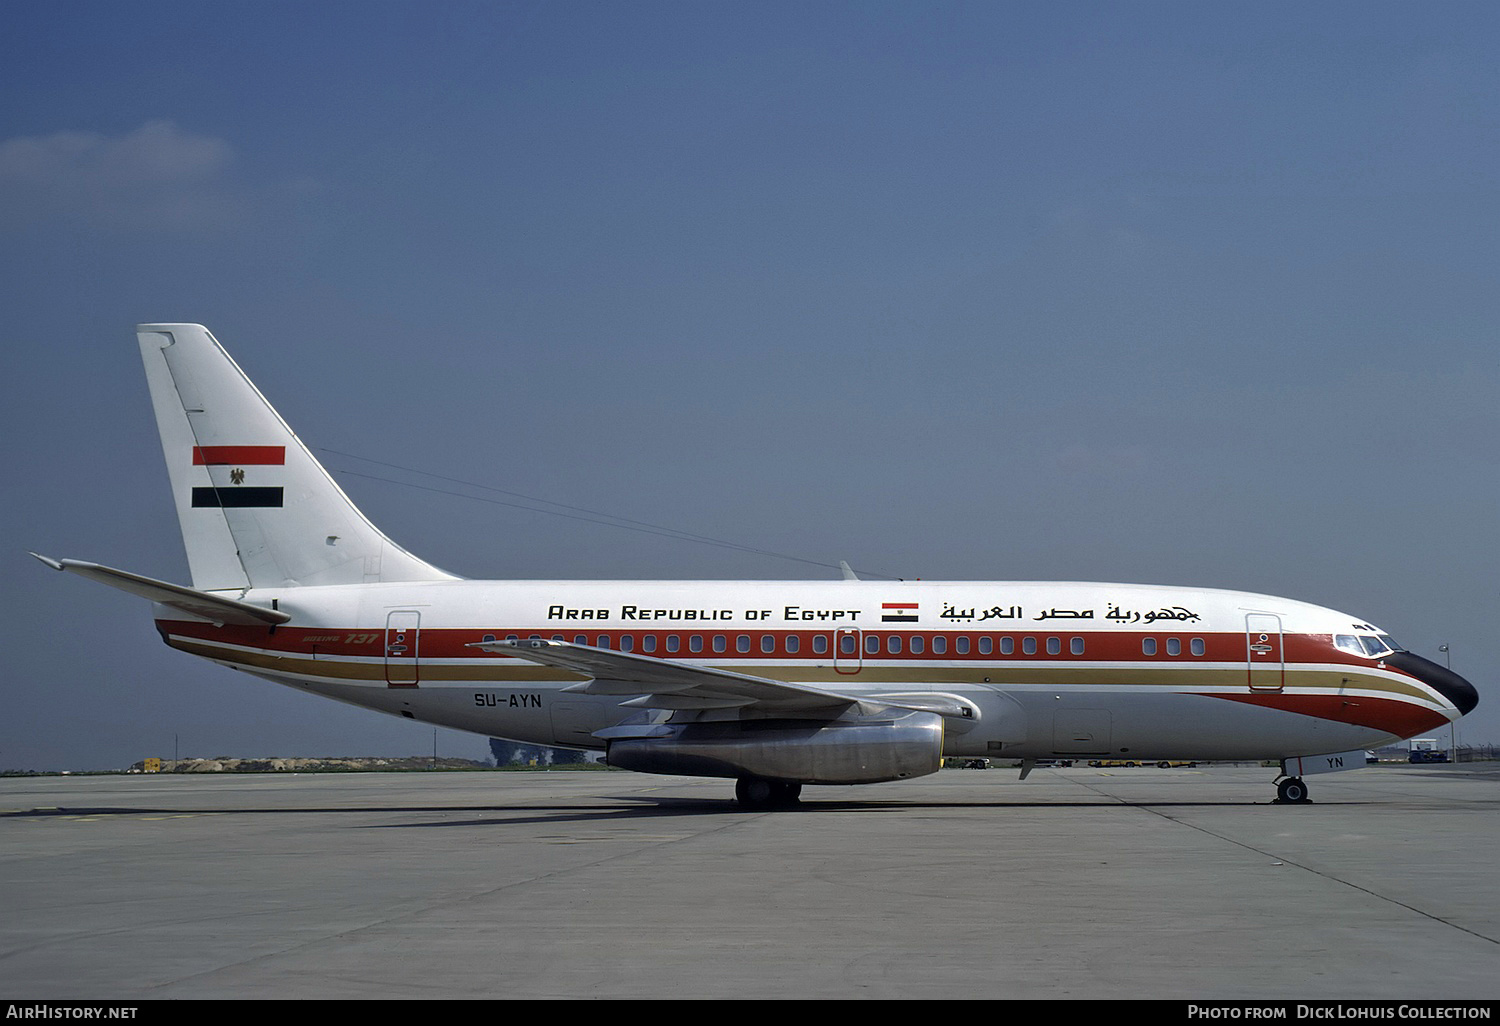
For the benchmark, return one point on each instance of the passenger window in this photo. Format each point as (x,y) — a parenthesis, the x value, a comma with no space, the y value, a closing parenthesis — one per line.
(939,645)
(893,644)
(986,644)
(767,644)
(792,644)
(742,643)
(695,643)
(672,643)
(648,643)
(820,644)
(1028,646)
(580,639)
(916,644)
(1174,646)
(872,644)
(1075,646)
(720,644)
(1197,646)
(961,645)
(1054,646)
(627,643)
(846,644)
(1148,646)
(1007,645)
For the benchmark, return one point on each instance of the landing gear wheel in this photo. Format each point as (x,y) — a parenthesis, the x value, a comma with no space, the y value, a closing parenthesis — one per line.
(755,793)
(1292,791)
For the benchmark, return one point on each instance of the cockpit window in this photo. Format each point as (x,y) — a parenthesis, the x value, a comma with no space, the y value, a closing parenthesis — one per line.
(1366,645)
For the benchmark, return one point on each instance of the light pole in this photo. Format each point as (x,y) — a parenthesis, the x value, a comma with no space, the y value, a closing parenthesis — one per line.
(1453,726)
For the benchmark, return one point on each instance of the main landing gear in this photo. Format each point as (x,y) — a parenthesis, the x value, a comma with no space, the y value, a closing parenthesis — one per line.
(755,793)
(1292,791)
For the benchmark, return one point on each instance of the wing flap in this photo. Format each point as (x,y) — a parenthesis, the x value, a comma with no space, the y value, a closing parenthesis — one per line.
(686,702)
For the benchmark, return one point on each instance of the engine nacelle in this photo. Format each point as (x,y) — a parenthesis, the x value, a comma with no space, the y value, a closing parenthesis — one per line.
(856,751)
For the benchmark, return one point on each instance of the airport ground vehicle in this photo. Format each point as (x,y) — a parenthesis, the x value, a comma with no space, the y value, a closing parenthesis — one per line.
(1426,749)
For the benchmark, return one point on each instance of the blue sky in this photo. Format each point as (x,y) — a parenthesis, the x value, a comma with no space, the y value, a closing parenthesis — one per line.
(1187,293)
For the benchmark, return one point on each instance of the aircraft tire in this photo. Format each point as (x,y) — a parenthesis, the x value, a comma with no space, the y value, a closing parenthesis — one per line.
(1292,791)
(755,793)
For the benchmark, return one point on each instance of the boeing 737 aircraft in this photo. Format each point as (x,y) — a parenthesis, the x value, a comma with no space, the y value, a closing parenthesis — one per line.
(773,684)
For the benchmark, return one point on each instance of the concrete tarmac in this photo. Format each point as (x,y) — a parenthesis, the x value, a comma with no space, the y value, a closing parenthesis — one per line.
(1076,883)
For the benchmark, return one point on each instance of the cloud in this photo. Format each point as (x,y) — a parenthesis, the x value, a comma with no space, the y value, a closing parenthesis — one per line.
(157,176)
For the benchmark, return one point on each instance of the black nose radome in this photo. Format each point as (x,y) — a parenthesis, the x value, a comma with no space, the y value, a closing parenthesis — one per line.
(1441,679)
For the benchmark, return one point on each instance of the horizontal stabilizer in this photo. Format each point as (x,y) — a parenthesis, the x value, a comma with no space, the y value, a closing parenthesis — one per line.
(199,603)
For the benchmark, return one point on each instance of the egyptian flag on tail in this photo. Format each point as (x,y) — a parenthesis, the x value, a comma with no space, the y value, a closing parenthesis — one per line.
(238,476)
(898,612)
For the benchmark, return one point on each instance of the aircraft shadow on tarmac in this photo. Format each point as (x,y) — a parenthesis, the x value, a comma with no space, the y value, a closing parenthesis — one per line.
(666,807)
(638,808)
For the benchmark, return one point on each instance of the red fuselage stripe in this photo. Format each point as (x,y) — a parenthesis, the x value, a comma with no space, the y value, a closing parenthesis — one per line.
(1402,719)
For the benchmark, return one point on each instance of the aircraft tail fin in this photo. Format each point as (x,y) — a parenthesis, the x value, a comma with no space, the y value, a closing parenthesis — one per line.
(256,508)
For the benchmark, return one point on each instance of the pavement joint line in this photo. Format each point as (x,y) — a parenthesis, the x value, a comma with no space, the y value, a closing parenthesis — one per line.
(1282,859)
(465,899)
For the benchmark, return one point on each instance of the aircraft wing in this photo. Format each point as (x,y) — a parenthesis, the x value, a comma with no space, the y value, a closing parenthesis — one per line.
(667,683)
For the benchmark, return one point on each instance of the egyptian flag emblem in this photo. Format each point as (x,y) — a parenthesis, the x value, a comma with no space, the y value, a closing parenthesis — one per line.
(898,612)
(236,495)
